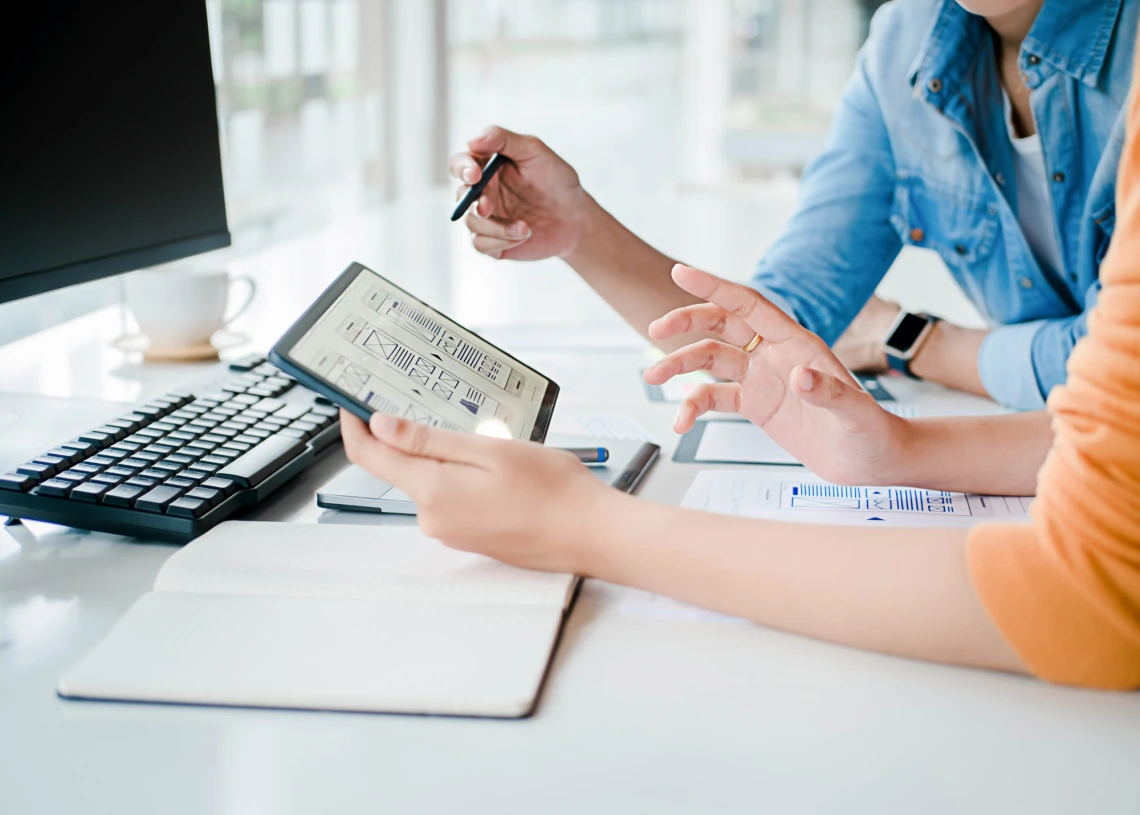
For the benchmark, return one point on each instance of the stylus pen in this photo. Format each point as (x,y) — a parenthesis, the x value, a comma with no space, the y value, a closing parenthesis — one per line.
(590,455)
(497,161)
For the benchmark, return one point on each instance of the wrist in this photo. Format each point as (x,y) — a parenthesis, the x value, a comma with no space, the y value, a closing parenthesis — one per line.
(592,223)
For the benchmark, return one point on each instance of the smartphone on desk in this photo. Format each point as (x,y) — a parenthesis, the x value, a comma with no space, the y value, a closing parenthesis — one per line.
(367,345)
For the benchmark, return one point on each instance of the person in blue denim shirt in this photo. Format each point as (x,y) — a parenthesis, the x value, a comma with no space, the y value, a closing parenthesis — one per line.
(988,131)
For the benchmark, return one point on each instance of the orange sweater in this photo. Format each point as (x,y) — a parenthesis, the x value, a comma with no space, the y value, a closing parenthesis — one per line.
(1065,590)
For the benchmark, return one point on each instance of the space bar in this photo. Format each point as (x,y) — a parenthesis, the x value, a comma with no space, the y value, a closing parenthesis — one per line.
(262,461)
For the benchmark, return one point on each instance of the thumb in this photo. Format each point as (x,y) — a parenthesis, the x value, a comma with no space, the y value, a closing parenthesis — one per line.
(513,145)
(847,402)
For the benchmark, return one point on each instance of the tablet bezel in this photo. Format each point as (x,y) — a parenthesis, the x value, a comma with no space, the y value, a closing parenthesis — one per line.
(279,355)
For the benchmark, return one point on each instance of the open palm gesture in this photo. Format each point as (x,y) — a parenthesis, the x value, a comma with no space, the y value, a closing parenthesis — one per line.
(789,382)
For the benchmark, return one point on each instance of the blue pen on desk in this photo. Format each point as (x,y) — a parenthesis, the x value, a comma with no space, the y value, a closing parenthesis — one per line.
(590,455)
(493,165)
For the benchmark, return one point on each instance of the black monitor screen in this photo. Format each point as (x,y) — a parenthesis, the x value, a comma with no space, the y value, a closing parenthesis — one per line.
(109,156)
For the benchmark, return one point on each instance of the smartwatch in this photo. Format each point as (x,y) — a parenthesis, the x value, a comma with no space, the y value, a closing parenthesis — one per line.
(906,336)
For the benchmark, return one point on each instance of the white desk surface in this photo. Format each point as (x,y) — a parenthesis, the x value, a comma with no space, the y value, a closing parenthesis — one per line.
(639,714)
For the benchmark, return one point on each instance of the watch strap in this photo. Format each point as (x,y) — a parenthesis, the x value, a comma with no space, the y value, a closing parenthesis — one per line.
(901,365)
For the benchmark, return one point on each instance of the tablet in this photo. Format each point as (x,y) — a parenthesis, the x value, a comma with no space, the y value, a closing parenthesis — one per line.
(367,345)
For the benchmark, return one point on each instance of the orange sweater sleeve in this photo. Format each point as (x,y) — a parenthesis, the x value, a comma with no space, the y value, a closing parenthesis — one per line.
(1065,590)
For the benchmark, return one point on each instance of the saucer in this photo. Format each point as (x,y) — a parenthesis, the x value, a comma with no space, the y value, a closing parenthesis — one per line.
(201,352)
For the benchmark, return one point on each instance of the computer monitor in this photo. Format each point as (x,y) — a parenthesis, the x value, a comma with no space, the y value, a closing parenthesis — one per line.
(109,156)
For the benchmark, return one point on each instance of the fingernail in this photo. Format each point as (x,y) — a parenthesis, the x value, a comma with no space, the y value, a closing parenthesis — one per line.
(805,379)
(469,175)
(383,424)
(518,230)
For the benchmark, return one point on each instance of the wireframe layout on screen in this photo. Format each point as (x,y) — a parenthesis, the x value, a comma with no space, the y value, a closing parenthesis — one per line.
(400,356)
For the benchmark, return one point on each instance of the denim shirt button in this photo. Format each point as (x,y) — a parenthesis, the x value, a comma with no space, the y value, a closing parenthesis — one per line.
(917,235)
(1059,178)
(960,249)
(1000,179)
(1033,59)
(935,85)
(1026,283)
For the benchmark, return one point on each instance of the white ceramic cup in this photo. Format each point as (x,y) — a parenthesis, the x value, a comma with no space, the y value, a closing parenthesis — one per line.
(179,308)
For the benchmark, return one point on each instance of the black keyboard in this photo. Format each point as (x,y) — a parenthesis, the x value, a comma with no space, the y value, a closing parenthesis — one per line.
(182,463)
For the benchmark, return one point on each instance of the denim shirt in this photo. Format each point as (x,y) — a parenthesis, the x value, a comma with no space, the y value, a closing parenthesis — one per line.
(919,154)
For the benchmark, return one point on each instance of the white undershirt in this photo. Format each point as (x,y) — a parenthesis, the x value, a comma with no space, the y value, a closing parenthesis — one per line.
(1034,200)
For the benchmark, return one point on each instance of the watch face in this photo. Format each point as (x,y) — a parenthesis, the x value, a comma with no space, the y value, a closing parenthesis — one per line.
(907,332)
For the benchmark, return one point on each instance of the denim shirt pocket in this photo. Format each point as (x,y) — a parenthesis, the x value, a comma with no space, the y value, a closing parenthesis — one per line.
(960,226)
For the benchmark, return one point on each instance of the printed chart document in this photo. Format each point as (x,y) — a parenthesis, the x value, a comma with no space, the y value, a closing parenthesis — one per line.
(379,619)
(807,499)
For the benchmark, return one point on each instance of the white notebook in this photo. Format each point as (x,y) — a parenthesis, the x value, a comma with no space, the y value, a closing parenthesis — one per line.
(366,618)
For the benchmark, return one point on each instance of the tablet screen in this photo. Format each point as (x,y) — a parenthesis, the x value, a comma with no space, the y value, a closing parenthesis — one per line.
(398,355)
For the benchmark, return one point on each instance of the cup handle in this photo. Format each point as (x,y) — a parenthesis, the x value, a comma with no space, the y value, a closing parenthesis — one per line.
(248,299)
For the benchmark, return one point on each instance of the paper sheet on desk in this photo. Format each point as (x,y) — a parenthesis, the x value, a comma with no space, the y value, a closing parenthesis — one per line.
(806,499)
(599,424)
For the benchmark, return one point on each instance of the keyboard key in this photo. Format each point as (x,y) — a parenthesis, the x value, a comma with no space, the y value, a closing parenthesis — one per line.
(223,453)
(121,472)
(88,467)
(279,384)
(236,446)
(99,439)
(326,410)
(158,499)
(260,434)
(199,444)
(267,369)
(215,459)
(183,413)
(138,439)
(115,433)
(213,399)
(239,422)
(73,476)
(156,474)
(68,455)
(247,363)
(123,495)
(135,463)
(55,487)
(146,455)
(164,426)
(206,494)
(228,432)
(235,386)
(16,482)
(203,468)
(246,399)
(262,461)
(179,397)
(144,481)
(84,447)
(180,458)
(250,413)
(103,478)
(126,446)
(114,454)
(168,466)
(163,450)
(215,438)
(225,486)
(150,433)
(88,491)
(36,470)
(55,461)
(102,461)
(126,425)
(273,422)
(292,411)
(229,409)
(293,433)
(198,408)
(261,390)
(183,435)
(305,427)
(316,418)
(188,508)
(194,476)
(181,483)
(155,408)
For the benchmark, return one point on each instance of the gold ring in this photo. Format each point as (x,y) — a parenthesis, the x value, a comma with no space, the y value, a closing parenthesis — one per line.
(748,349)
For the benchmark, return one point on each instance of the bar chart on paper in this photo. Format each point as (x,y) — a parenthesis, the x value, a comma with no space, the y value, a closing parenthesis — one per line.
(754,494)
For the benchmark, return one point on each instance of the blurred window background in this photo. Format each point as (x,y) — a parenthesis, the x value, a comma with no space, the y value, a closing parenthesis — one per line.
(333,107)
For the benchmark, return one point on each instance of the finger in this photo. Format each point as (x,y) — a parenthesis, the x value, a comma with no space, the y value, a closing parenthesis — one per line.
(700,318)
(723,397)
(493,247)
(514,146)
(850,404)
(497,228)
(763,316)
(721,360)
(463,166)
(421,441)
(383,461)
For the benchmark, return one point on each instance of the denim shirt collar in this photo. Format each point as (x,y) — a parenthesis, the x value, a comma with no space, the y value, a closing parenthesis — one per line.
(1072,36)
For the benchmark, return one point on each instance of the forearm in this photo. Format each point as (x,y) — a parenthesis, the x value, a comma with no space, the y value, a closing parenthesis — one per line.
(627,272)
(950,357)
(994,455)
(898,591)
